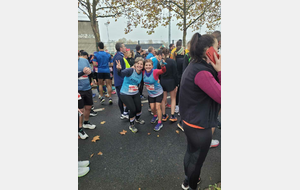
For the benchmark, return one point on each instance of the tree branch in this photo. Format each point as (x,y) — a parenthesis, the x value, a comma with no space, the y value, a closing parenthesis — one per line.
(84,12)
(112,7)
(190,5)
(163,3)
(199,15)
(174,4)
(83,3)
(100,16)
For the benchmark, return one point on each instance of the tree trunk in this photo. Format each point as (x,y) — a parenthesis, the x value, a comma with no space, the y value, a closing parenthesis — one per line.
(184,24)
(96,32)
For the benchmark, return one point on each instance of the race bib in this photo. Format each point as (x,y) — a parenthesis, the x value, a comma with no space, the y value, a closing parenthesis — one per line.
(150,87)
(133,88)
(96,69)
(79,97)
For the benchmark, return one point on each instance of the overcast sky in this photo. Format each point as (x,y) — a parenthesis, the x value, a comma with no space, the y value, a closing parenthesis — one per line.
(116,30)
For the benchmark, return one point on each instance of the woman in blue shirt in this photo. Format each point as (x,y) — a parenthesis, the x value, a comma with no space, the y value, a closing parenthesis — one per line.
(129,92)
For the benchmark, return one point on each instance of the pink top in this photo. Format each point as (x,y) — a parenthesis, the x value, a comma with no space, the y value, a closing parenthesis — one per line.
(209,85)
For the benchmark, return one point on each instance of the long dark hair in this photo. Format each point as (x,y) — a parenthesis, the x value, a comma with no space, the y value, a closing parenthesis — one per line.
(199,45)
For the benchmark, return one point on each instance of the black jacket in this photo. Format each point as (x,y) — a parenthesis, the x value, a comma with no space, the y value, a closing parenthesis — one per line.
(195,106)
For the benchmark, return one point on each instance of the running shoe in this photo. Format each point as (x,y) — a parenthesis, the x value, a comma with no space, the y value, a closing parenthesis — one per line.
(94,95)
(151,113)
(123,116)
(88,125)
(92,107)
(185,184)
(154,119)
(168,105)
(82,134)
(165,118)
(110,102)
(173,119)
(102,100)
(179,125)
(143,97)
(92,113)
(113,88)
(84,163)
(133,129)
(176,109)
(82,171)
(113,92)
(140,121)
(214,143)
(149,109)
(158,127)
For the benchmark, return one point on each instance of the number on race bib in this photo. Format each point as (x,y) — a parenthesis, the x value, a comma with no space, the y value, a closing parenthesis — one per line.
(150,87)
(133,88)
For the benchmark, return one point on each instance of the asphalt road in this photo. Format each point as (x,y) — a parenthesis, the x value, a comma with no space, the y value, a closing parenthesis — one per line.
(133,161)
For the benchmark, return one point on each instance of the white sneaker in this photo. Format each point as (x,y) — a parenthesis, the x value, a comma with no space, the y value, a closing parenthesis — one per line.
(82,171)
(89,126)
(214,143)
(82,134)
(124,116)
(84,163)
(176,109)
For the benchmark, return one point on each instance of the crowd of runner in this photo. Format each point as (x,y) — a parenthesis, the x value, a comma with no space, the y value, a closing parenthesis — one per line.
(192,80)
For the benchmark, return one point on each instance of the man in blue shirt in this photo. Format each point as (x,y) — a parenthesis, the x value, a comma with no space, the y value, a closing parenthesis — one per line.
(102,60)
(85,92)
(151,52)
(121,49)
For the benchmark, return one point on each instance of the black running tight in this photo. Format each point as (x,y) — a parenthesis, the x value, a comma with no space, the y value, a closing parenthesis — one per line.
(198,144)
(133,103)
(120,103)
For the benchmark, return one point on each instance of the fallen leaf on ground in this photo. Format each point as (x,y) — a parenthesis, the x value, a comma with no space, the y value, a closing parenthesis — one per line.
(149,133)
(96,138)
(100,109)
(139,188)
(91,155)
(102,122)
(177,131)
(95,101)
(123,132)
(141,104)
(100,153)
(157,135)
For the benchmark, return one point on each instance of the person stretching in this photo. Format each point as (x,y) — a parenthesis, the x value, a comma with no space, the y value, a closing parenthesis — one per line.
(129,93)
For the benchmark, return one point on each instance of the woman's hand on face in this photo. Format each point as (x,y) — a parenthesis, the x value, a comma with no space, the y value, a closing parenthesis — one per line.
(217,66)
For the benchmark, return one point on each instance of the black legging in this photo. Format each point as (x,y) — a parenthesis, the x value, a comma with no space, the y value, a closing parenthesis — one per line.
(141,87)
(198,143)
(177,95)
(120,103)
(133,103)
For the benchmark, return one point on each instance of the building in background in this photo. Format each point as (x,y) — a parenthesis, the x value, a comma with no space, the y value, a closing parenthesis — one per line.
(86,38)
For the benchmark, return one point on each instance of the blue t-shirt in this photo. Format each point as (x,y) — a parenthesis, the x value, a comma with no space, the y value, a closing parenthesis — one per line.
(149,56)
(131,81)
(102,58)
(83,81)
(155,61)
(153,87)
